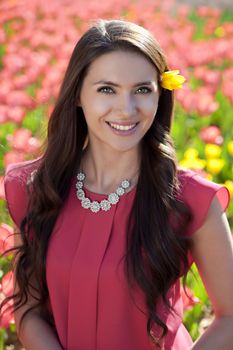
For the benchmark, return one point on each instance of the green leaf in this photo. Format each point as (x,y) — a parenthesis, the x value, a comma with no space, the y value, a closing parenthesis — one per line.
(36,121)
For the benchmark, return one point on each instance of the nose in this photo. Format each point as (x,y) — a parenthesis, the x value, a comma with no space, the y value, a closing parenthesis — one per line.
(127,105)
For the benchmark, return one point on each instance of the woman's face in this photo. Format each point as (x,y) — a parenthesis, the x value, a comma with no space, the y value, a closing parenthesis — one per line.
(119,98)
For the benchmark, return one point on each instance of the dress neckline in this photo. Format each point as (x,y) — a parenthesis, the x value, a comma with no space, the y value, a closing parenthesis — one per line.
(102,196)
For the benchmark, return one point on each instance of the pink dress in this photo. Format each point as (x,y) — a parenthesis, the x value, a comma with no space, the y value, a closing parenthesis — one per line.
(89,296)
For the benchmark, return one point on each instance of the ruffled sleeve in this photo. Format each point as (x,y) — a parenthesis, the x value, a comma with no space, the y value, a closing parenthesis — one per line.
(16,179)
(199,193)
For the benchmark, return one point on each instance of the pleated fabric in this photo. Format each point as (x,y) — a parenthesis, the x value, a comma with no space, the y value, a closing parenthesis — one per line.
(89,297)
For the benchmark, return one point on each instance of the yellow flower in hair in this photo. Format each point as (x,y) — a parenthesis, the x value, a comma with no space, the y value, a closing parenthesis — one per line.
(171,80)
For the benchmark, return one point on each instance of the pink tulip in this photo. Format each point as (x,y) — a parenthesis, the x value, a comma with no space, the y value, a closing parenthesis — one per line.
(19,98)
(13,62)
(20,81)
(210,26)
(211,134)
(50,109)
(17,26)
(189,103)
(66,51)
(43,95)
(48,25)
(207,75)
(206,11)
(52,78)
(6,237)
(37,39)
(199,72)
(222,48)
(215,12)
(20,139)
(227,89)
(183,10)
(33,73)
(6,87)
(7,283)
(40,59)
(2,189)
(206,105)
(228,28)
(55,90)
(2,36)
(13,157)
(203,11)
(187,98)
(33,145)
(228,74)
(3,114)
(16,114)
(7,316)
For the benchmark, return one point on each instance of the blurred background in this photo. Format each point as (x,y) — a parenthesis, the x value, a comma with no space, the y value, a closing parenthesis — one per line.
(224,4)
(36,41)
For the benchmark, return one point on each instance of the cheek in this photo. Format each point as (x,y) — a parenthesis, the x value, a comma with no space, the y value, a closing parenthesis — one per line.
(102,106)
(149,107)
(97,108)
(90,114)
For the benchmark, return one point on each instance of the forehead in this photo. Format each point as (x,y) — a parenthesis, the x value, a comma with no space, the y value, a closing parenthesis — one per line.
(129,66)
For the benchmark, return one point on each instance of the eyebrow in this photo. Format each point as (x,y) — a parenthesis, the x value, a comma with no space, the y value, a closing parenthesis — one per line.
(117,85)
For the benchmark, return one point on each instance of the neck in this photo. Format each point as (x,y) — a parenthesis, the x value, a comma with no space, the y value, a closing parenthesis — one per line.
(106,170)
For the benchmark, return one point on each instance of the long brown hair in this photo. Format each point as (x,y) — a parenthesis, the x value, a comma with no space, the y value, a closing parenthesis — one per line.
(164,248)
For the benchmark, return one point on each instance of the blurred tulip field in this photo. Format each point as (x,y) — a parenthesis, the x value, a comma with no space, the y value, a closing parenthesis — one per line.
(36,41)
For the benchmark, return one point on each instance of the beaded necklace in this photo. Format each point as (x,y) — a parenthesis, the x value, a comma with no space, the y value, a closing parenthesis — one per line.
(105,204)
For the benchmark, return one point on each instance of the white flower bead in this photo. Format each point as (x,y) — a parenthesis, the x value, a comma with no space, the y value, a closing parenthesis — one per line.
(86,203)
(80,176)
(113,198)
(95,207)
(79,184)
(105,205)
(120,191)
(80,194)
(125,184)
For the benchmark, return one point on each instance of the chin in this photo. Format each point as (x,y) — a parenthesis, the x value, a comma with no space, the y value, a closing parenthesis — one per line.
(125,148)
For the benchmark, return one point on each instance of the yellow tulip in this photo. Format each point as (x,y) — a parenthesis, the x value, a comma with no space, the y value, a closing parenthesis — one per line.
(171,80)
(194,163)
(230,148)
(184,163)
(212,151)
(191,153)
(214,165)
(229,185)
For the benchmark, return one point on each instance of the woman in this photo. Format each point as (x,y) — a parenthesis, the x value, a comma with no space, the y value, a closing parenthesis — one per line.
(108,221)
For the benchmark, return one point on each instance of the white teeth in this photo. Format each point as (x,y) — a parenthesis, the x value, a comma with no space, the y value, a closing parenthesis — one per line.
(122,127)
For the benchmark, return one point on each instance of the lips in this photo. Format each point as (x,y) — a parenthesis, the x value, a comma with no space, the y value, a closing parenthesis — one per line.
(123,129)
(122,126)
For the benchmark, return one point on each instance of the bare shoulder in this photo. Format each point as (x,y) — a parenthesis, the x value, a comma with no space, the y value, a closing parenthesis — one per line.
(215,226)
(212,251)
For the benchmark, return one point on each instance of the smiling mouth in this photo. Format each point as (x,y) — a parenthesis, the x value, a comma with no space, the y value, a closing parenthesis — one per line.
(122,127)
